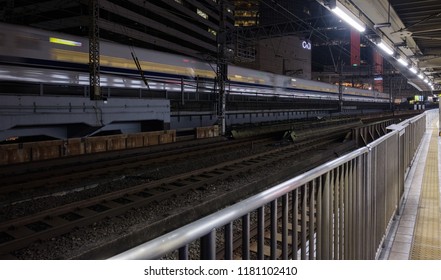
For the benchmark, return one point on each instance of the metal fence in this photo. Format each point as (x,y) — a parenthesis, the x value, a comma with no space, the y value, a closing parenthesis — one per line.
(342,209)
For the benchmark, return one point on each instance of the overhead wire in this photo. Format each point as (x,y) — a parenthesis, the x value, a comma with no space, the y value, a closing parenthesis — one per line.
(313,30)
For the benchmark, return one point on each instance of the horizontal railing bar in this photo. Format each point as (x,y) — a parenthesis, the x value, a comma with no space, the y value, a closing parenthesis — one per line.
(179,237)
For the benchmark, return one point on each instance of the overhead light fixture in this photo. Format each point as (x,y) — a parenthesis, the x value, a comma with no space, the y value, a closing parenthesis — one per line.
(403,62)
(348,17)
(426,80)
(420,75)
(413,70)
(385,48)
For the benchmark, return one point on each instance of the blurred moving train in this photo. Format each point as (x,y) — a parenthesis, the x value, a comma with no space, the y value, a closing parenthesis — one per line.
(38,56)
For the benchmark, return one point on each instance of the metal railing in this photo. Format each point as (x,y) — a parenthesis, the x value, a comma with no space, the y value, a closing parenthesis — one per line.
(342,209)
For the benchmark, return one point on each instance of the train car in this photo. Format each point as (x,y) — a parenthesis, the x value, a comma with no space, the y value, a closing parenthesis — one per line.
(38,56)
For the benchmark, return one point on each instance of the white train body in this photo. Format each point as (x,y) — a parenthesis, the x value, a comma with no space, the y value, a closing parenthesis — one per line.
(33,55)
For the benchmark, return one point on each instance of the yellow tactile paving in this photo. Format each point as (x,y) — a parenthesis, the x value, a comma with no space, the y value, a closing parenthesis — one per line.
(426,243)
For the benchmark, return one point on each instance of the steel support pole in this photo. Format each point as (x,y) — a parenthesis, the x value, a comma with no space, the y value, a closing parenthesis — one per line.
(94,51)
(222,67)
(340,85)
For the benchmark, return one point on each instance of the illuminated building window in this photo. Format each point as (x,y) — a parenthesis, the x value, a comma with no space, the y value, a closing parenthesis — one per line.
(246,12)
(212,31)
(202,14)
(179,1)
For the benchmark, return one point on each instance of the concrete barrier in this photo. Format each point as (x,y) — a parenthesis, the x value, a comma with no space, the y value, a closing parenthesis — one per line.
(207,132)
(36,151)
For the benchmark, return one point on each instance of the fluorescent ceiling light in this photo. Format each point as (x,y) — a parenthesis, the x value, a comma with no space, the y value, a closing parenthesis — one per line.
(385,48)
(420,76)
(426,80)
(403,62)
(349,17)
(413,70)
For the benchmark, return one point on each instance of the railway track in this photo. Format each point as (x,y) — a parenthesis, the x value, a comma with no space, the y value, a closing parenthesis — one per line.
(20,232)
(49,174)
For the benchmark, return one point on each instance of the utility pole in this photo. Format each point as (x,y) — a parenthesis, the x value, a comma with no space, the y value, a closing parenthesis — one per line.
(222,67)
(340,84)
(94,51)
(391,98)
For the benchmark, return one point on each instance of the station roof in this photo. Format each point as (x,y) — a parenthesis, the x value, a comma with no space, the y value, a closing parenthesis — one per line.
(411,27)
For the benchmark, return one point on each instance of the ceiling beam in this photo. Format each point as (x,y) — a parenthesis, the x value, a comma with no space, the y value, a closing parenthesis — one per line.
(430,28)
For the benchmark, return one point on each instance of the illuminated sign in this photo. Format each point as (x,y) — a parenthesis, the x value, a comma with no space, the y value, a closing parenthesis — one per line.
(306,45)
(419,98)
(64,42)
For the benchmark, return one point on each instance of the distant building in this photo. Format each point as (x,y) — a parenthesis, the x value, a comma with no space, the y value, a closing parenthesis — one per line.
(280,50)
(246,13)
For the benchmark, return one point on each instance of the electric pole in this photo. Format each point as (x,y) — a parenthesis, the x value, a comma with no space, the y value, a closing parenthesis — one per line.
(340,84)
(94,51)
(222,67)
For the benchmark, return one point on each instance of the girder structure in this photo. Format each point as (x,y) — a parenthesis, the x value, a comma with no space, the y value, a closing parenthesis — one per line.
(273,30)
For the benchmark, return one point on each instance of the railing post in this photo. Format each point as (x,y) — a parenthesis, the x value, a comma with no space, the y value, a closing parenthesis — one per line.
(260,233)
(208,246)
(285,227)
(246,237)
(304,220)
(312,221)
(295,221)
(183,252)
(273,242)
(228,233)
(325,219)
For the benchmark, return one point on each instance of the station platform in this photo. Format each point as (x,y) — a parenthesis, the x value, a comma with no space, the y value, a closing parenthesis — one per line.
(416,233)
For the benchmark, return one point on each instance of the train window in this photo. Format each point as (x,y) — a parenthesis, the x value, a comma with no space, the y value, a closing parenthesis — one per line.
(28,43)
(60,41)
